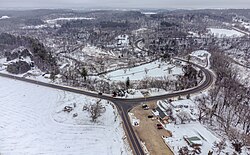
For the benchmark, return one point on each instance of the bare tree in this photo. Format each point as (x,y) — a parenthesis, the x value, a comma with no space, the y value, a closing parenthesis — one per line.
(96,110)
(220,146)
(203,109)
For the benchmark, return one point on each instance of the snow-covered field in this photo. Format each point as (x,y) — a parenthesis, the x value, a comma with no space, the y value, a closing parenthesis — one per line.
(4,17)
(88,51)
(93,51)
(54,21)
(153,69)
(149,13)
(135,93)
(32,122)
(224,32)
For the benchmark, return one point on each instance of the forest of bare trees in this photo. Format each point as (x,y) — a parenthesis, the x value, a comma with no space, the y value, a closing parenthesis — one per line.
(227,105)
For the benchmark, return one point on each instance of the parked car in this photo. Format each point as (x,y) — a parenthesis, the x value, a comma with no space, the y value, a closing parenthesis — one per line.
(145,107)
(159,126)
(114,94)
(100,93)
(150,116)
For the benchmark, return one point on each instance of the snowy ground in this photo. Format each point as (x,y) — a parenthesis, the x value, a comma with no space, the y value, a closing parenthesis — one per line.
(242,23)
(201,54)
(32,122)
(33,73)
(149,13)
(243,74)
(139,93)
(54,21)
(246,25)
(4,17)
(123,40)
(191,129)
(93,51)
(153,69)
(202,58)
(86,52)
(220,33)
(193,34)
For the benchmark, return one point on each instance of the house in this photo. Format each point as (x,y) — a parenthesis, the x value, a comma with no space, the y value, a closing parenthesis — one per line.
(185,109)
(193,141)
(163,117)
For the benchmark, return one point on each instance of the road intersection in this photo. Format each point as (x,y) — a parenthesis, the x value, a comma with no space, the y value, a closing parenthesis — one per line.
(125,105)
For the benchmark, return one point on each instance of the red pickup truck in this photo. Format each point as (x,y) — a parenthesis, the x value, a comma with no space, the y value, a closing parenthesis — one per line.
(159,126)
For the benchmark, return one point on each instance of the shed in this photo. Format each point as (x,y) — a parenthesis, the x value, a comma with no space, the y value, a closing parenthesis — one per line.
(193,141)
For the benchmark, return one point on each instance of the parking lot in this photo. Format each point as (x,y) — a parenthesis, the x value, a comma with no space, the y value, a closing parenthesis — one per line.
(148,131)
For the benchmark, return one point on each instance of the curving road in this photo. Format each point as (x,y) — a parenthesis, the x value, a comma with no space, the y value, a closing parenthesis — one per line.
(125,105)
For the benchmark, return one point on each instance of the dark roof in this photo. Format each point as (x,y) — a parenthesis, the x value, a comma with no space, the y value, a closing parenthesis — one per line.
(161,113)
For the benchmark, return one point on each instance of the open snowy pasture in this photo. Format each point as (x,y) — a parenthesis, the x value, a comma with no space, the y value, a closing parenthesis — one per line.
(32,121)
(220,33)
(153,69)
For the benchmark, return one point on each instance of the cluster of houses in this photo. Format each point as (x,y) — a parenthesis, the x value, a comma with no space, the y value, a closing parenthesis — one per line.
(179,112)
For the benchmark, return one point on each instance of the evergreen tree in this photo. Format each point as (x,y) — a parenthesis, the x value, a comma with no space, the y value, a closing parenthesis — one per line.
(84,73)
(127,82)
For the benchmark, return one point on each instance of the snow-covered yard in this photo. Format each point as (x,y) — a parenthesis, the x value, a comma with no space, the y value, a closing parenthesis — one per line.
(52,22)
(191,133)
(202,57)
(32,122)
(193,129)
(224,32)
(153,69)
(201,54)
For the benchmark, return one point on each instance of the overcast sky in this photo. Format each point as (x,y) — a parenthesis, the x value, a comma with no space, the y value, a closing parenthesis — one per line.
(188,4)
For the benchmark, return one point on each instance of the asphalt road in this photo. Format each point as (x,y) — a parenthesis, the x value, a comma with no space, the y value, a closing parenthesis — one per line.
(125,105)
